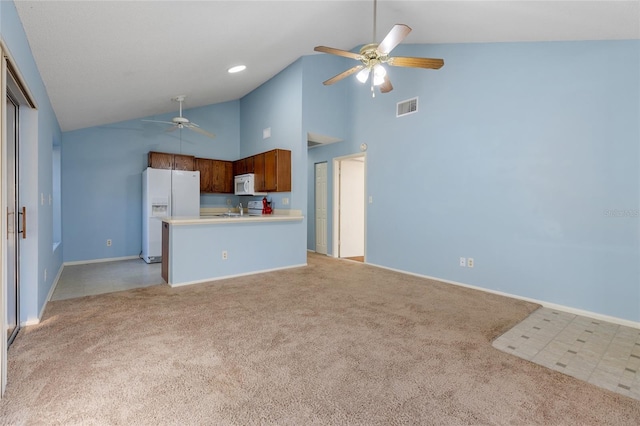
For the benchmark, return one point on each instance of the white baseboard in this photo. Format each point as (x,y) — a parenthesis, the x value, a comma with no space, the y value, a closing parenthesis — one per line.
(35,321)
(53,287)
(568,309)
(110,259)
(237,275)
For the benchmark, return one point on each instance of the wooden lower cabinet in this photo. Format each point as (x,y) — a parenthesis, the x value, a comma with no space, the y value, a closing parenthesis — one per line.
(164,271)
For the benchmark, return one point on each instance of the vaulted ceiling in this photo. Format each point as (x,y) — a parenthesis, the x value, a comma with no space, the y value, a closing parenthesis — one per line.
(108,61)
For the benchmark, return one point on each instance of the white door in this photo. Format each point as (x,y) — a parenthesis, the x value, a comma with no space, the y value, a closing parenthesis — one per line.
(321,208)
(352,207)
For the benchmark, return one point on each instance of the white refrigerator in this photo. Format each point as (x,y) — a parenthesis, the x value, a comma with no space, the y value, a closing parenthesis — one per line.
(165,193)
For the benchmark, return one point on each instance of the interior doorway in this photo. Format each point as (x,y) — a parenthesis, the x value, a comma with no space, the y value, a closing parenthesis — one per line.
(321,207)
(349,213)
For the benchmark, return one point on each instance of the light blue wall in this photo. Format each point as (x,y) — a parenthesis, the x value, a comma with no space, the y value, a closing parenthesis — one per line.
(277,104)
(516,154)
(101,176)
(38,130)
(196,250)
(326,111)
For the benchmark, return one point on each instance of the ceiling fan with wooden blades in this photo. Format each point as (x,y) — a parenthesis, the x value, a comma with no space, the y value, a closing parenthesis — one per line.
(181,122)
(372,56)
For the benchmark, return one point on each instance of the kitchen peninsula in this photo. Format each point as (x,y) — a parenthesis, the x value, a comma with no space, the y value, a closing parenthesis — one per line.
(207,248)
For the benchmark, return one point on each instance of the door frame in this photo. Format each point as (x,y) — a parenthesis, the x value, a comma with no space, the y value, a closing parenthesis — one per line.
(11,77)
(325,190)
(337,162)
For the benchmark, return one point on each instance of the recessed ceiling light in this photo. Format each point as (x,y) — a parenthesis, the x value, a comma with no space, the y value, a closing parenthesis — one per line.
(237,68)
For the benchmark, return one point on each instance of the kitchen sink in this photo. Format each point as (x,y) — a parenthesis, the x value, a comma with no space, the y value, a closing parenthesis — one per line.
(229,214)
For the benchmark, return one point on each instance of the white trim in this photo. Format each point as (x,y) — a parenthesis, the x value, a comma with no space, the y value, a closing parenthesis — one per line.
(568,309)
(311,251)
(53,287)
(236,275)
(335,231)
(44,305)
(109,259)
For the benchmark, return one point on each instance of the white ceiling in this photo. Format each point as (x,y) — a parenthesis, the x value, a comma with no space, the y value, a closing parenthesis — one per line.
(109,61)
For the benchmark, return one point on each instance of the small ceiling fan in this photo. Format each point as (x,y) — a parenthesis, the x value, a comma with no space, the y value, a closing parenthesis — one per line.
(374,55)
(181,122)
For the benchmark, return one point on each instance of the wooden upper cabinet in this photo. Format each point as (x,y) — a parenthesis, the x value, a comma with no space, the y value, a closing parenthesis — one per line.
(160,160)
(183,162)
(222,177)
(205,167)
(163,160)
(277,171)
(258,169)
(216,176)
(272,170)
(243,166)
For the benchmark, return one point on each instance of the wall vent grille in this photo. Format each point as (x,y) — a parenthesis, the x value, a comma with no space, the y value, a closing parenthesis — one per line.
(407,107)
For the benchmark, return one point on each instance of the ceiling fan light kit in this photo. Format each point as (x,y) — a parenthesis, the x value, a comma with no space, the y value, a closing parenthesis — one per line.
(374,55)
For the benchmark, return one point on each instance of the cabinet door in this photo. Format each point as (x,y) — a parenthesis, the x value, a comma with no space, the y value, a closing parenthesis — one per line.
(270,167)
(227,187)
(205,167)
(183,162)
(249,165)
(160,160)
(258,169)
(239,167)
(283,170)
(222,179)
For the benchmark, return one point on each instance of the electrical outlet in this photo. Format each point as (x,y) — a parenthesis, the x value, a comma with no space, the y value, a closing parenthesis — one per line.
(228,201)
(285,201)
(470,262)
(45,275)
(463,262)
(224,255)
(108,243)
(370,199)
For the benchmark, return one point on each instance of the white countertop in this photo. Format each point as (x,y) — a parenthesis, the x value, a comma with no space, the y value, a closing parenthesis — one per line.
(212,218)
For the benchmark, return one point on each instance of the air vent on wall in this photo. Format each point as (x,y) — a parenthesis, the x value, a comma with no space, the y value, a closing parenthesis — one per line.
(407,107)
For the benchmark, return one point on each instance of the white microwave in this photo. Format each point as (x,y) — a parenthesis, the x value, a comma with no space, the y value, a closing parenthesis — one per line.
(246,185)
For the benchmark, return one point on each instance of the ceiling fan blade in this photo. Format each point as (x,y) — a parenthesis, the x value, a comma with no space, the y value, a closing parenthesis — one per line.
(401,61)
(171,129)
(395,36)
(197,129)
(159,121)
(386,86)
(338,52)
(342,75)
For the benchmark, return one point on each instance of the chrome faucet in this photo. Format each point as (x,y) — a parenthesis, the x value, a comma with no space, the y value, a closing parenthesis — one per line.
(241,209)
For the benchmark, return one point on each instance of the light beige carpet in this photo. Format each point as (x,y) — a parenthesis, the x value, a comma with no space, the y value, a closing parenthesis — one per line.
(332,343)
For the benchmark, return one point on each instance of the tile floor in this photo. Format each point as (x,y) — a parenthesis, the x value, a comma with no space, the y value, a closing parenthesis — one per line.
(602,353)
(106,277)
